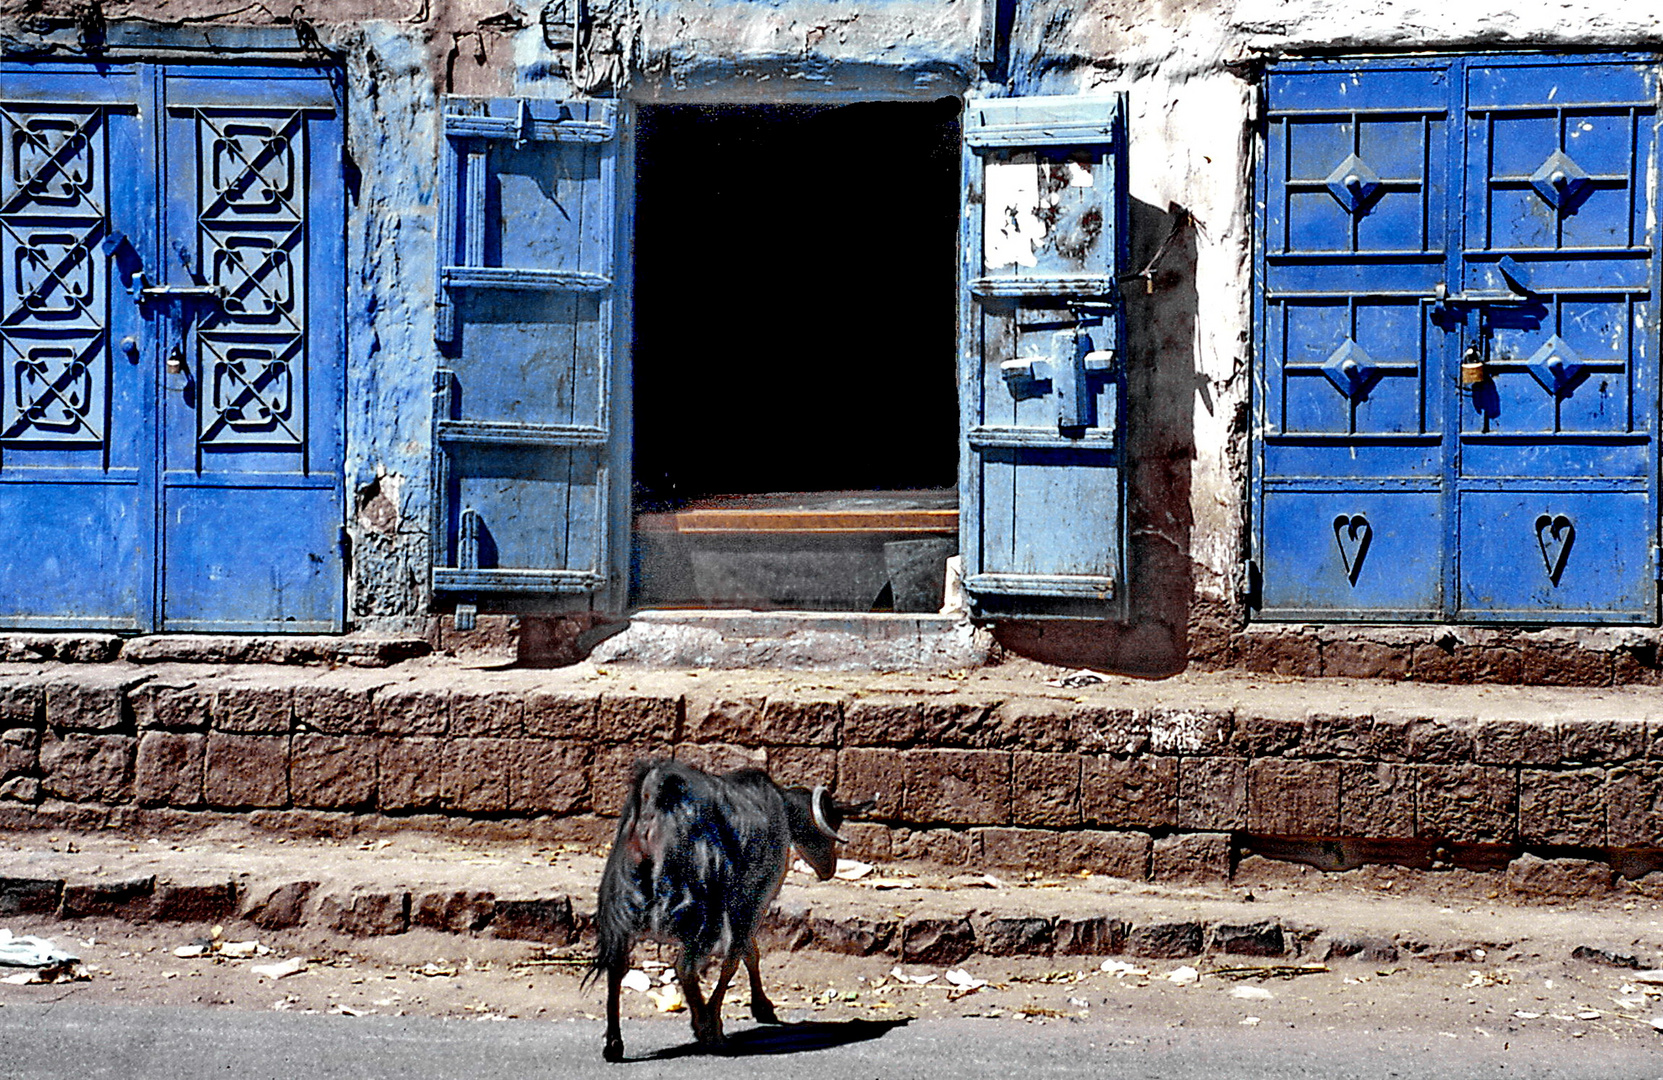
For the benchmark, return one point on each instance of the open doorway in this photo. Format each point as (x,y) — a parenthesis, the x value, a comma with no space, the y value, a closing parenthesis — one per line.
(796,421)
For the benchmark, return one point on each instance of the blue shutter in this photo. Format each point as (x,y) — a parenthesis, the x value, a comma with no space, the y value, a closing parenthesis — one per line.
(530,461)
(1042,364)
(1419,214)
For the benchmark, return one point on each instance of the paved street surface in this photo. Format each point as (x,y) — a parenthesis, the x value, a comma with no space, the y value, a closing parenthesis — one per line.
(64,1040)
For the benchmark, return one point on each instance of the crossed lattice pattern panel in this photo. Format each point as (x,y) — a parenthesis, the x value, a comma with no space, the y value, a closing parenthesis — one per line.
(252,243)
(53,277)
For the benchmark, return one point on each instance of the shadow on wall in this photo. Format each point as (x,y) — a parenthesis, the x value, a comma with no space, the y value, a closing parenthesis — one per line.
(1160,446)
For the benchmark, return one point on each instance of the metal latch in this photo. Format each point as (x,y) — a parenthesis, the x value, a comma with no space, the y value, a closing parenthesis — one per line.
(1072,360)
(183,292)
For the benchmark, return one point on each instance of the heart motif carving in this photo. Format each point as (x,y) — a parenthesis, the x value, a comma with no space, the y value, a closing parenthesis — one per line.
(1353,532)
(1555,533)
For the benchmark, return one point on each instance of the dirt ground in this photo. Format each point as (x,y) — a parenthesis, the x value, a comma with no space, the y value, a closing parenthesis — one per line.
(1534,988)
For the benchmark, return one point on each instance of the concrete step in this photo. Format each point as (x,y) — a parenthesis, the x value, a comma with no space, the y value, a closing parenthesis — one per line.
(797,641)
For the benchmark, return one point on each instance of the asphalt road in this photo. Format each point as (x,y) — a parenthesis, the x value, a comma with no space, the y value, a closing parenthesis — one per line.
(41,1041)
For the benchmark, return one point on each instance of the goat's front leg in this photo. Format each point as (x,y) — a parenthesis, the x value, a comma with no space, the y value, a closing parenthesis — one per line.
(762,1010)
(614,1047)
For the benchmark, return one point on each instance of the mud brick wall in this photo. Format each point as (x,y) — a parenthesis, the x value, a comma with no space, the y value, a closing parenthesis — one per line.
(1012,785)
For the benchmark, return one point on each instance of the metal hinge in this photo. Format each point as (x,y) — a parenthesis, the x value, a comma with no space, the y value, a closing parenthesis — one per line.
(1656,563)
(1247,583)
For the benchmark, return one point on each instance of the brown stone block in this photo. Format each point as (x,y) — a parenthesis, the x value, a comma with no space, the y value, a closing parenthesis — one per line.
(956,723)
(1494,664)
(1045,789)
(808,766)
(1341,735)
(1287,653)
(334,710)
(960,787)
(1563,665)
(877,721)
(1436,662)
(168,769)
(193,901)
(126,899)
(254,710)
(1093,935)
(1557,880)
(547,920)
(931,940)
(1212,793)
(551,714)
(639,718)
(1421,740)
(1190,731)
(1515,742)
(1601,742)
(412,709)
(713,717)
(853,936)
(1365,660)
(455,911)
(549,777)
(944,847)
(88,768)
(409,774)
(367,914)
(19,751)
(92,699)
(1634,806)
(246,770)
(867,840)
(1140,792)
(1293,798)
(802,720)
(865,772)
(1165,941)
(1562,807)
(30,896)
(1475,804)
(612,771)
(1638,667)
(721,757)
(1117,732)
(171,707)
(332,772)
(1107,853)
(1015,936)
(475,775)
(22,702)
(1040,725)
(1377,801)
(1191,858)
(278,907)
(1257,735)
(1250,939)
(493,715)
(1019,849)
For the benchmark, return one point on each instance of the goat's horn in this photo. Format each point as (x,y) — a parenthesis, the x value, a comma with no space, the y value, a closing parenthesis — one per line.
(820,815)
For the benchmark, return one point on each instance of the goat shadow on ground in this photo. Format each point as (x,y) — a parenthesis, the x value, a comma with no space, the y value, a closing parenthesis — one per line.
(798,1038)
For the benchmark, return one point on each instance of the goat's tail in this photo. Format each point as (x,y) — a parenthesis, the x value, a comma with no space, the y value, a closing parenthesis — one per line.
(621,902)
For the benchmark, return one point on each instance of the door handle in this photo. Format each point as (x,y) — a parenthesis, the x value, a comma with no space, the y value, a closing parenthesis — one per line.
(181,292)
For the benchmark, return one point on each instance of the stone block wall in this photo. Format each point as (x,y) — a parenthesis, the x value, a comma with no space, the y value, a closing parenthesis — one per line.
(1004,785)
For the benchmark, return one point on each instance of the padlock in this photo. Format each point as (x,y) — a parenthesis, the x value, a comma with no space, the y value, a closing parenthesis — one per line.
(1472,367)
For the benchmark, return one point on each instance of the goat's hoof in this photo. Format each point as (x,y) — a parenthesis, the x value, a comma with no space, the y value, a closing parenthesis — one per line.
(764,1013)
(614,1050)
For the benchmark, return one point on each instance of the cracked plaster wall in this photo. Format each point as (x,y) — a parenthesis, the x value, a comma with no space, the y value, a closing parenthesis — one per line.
(1187,66)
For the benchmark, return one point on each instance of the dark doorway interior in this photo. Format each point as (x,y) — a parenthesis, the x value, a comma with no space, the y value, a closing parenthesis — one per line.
(795,405)
(794,298)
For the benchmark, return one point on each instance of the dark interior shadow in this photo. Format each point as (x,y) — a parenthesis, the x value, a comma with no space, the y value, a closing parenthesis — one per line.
(799,1038)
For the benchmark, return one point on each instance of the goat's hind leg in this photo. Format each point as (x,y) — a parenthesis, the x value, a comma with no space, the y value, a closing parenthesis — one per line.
(762,1010)
(613,1050)
(707,1028)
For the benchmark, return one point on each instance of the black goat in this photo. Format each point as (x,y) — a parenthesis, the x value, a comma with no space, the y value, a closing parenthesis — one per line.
(697,860)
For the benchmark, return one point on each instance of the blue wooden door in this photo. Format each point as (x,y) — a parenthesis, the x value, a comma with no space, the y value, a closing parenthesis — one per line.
(174,349)
(531,441)
(1041,361)
(1457,404)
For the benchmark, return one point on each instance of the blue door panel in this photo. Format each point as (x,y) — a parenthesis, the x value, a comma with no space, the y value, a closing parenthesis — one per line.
(1555,555)
(75,554)
(1042,370)
(527,454)
(1420,214)
(1329,554)
(272,569)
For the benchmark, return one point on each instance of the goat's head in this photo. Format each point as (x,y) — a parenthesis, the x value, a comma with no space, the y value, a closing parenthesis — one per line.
(815,818)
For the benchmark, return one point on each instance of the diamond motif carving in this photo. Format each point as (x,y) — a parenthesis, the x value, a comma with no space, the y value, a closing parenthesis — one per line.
(1560,180)
(1354,184)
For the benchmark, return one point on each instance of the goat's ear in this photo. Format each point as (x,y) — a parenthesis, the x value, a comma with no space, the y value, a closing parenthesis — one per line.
(856,809)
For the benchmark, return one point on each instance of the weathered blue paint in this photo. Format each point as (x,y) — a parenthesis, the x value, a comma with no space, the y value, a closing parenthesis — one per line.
(1042,374)
(1419,214)
(527,450)
(174,356)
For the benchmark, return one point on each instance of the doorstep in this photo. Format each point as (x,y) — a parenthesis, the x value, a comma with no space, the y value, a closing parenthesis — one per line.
(798,641)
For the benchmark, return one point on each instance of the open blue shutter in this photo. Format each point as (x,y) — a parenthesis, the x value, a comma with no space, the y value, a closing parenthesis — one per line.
(528,457)
(1041,360)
